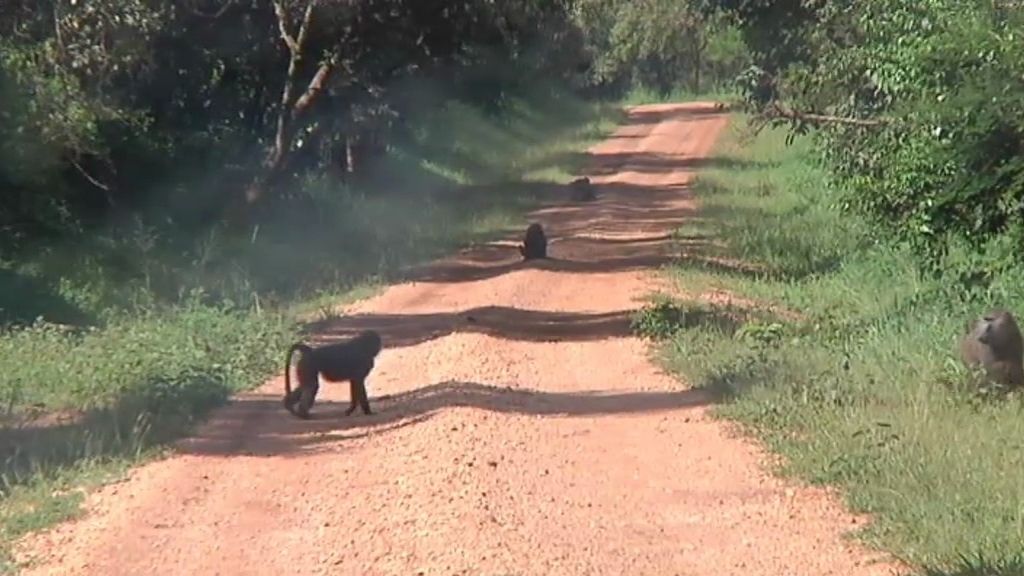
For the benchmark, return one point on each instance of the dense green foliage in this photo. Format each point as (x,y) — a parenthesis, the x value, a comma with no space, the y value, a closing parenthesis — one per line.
(941,81)
(173,109)
(150,148)
(842,356)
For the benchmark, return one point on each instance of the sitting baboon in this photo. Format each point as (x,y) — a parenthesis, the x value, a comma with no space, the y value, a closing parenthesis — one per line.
(582,190)
(993,342)
(535,243)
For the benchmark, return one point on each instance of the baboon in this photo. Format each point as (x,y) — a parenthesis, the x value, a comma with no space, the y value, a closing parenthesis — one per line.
(351,360)
(582,190)
(535,243)
(994,343)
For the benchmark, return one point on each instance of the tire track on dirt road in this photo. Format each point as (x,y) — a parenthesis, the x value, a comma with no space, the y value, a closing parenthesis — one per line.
(520,429)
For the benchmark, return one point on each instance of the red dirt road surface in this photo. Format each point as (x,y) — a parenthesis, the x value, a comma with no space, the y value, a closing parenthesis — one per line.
(519,429)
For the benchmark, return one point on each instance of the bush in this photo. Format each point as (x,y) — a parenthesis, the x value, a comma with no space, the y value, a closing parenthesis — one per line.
(947,167)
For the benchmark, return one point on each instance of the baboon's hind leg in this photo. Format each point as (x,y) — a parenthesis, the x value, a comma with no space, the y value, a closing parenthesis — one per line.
(307,396)
(359,397)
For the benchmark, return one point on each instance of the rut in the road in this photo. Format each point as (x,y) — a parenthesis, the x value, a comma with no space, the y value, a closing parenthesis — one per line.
(535,438)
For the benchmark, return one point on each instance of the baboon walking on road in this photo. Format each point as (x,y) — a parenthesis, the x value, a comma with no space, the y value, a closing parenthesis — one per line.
(352,360)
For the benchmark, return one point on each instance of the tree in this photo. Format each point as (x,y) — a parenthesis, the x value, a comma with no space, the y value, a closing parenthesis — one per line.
(917,105)
(215,105)
(662,44)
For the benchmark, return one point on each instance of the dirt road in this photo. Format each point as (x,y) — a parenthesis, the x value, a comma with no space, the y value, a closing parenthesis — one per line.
(520,429)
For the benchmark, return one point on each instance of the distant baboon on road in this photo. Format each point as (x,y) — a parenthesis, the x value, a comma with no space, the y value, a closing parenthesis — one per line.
(351,360)
(535,243)
(582,190)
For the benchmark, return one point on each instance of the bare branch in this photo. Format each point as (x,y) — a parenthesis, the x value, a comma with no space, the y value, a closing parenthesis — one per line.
(295,44)
(282,26)
(292,105)
(306,19)
(58,35)
(220,12)
(316,86)
(776,110)
(88,176)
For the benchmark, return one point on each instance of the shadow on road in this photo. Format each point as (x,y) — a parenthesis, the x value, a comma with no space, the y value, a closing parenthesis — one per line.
(627,228)
(638,116)
(400,330)
(48,443)
(257,425)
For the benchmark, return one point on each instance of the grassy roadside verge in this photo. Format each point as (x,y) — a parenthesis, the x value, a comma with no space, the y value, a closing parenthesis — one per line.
(143,370)
(858,387)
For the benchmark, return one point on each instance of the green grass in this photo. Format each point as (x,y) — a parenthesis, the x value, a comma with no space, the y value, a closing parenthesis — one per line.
(143,331)
(643,95)
(860,389)
(126,389)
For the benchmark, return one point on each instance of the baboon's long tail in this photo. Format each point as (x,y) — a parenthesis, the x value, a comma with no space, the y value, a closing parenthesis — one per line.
(297,347)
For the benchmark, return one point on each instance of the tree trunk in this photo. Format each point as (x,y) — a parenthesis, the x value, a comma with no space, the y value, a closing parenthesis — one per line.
(698,62)
(293,107)
(350,155)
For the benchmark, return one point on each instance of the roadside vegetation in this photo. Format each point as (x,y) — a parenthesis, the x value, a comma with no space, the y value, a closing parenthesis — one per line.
(840,354)
(183,184)
(877,214)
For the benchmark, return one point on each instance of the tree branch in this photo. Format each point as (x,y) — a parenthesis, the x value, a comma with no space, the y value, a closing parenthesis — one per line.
(291,105)
(58,35)
(220,12)
(282,26)
(88,176)
(316,86)
(108,193)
